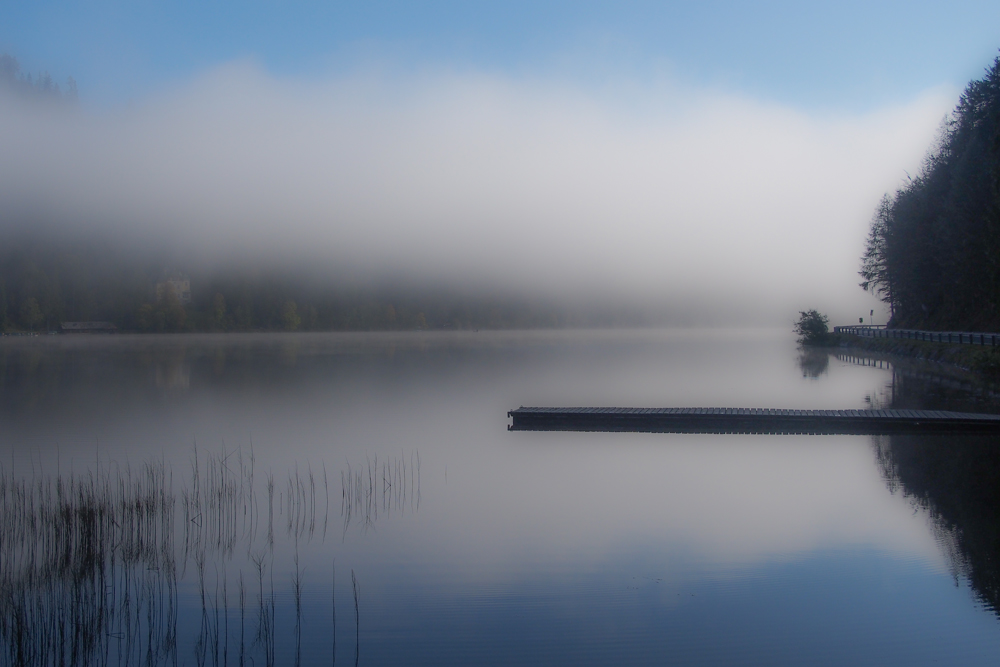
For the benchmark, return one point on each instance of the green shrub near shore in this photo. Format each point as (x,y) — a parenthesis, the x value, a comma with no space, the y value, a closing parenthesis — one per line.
(813,329)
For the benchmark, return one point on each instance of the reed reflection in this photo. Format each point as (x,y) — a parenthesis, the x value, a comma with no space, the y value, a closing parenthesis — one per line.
(98,568)
(88,572)
(389,486)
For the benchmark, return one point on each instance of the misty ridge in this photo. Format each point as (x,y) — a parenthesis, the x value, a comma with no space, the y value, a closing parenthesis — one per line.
(438,200)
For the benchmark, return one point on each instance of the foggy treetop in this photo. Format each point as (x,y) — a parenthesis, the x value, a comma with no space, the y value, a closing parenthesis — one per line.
(14,80)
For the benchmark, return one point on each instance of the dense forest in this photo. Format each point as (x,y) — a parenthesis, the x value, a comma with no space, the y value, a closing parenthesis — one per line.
(45,280)
(933,250)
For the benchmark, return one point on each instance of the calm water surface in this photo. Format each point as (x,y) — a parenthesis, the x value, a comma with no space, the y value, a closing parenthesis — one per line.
(357,499)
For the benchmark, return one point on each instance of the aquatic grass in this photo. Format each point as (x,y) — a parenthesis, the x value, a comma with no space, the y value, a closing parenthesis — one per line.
(90,562)
(357,618)
(333,606)
(87,569)
(297,591)
(384,487)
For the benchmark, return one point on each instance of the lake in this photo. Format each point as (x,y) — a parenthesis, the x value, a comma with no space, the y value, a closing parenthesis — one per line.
(357,499)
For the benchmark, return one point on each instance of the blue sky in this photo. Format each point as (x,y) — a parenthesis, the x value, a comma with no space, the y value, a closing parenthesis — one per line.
(835,55)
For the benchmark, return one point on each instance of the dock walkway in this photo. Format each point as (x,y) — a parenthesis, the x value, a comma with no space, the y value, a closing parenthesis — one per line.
(752,420)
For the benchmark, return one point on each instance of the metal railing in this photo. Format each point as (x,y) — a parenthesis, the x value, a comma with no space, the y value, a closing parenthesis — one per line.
(956,337)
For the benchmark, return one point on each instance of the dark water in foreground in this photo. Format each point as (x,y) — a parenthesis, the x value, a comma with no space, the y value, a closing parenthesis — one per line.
(357,499)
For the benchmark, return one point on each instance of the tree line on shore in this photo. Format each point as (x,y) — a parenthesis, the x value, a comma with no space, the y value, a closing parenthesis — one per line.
(933,249)
(45,280)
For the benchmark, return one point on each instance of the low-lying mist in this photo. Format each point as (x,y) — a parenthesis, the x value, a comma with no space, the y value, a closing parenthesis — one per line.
(690,206)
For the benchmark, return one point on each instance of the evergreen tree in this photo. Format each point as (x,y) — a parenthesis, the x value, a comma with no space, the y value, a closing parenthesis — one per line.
(933,250)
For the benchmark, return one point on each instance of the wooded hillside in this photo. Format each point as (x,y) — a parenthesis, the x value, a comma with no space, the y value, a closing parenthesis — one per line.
(933,251)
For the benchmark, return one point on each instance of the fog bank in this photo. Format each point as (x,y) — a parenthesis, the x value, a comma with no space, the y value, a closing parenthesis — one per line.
(690,201)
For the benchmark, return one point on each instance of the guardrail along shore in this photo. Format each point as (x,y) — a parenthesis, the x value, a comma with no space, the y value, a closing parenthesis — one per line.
(954,337)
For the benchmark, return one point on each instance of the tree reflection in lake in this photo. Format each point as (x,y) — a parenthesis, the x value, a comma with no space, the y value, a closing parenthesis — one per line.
(955,478)
(813,361)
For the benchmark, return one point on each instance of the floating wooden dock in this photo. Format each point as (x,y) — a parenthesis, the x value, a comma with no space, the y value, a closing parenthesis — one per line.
(752,420)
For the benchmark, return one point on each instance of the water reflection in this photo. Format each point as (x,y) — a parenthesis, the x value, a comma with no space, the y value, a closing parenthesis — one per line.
(956,479)
(914,384)
(814,362)
(391,485)
(315,539)
(90,565)
(88,573)
(173,373)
